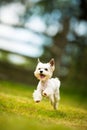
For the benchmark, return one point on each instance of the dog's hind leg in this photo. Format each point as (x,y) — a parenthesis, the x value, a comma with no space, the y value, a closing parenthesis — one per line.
(52,101)
(56,99)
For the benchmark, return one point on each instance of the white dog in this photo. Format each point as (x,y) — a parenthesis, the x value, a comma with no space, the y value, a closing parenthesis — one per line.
(47,86)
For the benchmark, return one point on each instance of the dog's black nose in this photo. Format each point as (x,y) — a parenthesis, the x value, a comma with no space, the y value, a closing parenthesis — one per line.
(41,71)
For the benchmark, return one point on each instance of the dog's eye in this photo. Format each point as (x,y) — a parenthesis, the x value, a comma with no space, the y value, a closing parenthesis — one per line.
(46,69)
(39,68)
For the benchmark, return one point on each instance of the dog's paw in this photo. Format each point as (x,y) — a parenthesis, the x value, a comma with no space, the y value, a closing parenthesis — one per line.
(37,101)
(44,94)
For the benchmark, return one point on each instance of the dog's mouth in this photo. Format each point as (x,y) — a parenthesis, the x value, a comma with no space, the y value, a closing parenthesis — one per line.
(42,76)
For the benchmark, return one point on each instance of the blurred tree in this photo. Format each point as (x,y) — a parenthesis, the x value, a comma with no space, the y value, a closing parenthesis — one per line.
(64,23)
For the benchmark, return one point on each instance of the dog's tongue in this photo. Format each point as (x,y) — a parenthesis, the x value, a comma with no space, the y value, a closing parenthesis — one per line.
(42,75)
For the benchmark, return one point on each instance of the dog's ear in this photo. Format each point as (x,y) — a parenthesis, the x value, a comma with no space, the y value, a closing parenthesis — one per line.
(52,63)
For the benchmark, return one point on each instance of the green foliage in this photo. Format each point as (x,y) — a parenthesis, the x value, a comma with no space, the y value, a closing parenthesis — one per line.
(19,112)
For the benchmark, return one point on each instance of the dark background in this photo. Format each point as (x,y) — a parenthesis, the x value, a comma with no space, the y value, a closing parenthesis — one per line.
(56,29)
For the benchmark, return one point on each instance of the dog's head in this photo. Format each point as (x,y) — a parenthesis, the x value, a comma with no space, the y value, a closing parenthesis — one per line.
(44,71)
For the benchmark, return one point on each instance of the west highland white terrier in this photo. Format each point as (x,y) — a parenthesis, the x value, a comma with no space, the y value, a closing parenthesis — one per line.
(47,86)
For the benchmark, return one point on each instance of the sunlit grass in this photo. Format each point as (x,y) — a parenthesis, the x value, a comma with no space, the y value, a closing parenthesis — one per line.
(19,111)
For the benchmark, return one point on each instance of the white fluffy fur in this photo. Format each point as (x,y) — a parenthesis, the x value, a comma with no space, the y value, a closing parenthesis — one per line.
(47,86)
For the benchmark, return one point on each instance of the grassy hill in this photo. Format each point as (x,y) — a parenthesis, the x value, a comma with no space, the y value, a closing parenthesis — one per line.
(18,111)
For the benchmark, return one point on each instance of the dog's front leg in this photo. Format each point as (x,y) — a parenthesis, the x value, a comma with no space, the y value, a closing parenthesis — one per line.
(37,96)
(47,92)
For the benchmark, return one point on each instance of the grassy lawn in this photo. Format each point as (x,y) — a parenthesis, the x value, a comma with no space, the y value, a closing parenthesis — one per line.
(18,111)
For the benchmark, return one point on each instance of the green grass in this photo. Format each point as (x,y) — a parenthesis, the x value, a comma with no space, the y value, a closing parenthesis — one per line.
(18,111)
